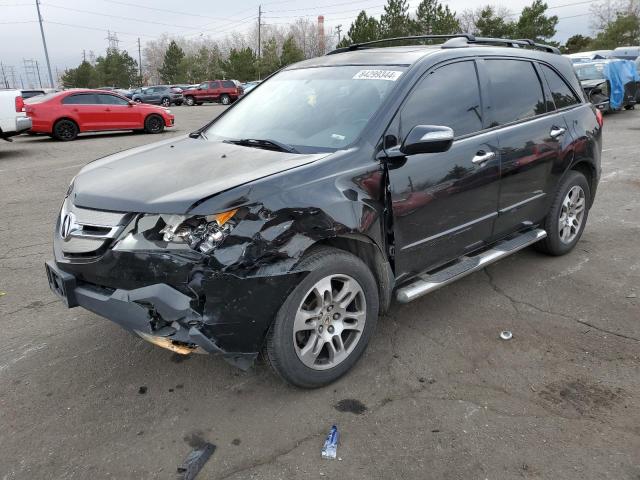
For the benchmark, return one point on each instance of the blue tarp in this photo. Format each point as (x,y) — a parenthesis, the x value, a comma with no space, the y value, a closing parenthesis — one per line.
(619,73)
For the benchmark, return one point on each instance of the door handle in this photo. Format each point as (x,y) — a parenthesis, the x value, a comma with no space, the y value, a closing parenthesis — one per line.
(557,131)
(482,157)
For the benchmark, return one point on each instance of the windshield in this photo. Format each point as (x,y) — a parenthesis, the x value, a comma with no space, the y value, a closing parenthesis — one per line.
(311,109)
(590,72)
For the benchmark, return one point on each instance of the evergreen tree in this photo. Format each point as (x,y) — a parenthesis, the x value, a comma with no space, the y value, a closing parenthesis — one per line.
(624,30)
(84,76)
(241,65)
(534,24)
(171,71)
(363,29)
(576,43)
(395,21)
(117,68)
(291,53)
(270,61)
(433,18)
(488,24)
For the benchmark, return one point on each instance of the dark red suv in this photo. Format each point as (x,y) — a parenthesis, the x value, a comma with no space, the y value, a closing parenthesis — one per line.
(223,91)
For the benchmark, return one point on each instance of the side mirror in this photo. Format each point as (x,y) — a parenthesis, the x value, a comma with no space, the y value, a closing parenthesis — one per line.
(200,88)
(131,103)
(427,139)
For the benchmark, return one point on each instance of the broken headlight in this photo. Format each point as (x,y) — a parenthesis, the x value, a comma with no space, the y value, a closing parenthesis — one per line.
(201,233)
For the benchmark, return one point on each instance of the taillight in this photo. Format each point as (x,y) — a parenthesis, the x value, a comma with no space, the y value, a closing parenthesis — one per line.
(599,117)
(19,104)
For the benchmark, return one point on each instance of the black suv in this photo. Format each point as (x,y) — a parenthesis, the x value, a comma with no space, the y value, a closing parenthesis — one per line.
(287,224)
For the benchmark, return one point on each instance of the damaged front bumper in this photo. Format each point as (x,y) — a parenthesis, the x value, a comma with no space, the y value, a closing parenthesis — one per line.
(230,317)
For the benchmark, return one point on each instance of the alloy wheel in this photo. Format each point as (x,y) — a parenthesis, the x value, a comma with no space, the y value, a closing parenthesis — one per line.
(166,102)
(329,322)
(571,214)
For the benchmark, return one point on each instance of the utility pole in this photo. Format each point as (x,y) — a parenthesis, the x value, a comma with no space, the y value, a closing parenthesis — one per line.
(339,30)
(84,56)
(259,36)
(140,61)
(44,44)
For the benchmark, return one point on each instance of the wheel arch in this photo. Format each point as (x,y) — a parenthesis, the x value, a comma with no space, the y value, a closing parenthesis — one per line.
(71,119)
(370,253)
(588,169)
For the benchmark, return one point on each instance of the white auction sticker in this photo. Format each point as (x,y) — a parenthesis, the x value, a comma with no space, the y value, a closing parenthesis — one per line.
(391,75)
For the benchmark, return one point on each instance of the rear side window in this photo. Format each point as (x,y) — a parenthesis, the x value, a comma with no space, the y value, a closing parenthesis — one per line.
(80,99)
(449,96)
(562,94)
(516,92)
(228,84)
(112,100)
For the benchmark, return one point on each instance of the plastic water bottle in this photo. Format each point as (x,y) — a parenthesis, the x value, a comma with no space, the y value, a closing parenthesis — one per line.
(330,448)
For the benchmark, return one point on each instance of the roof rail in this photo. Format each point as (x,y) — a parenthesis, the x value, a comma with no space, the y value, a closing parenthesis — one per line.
(358,46)
(454,41)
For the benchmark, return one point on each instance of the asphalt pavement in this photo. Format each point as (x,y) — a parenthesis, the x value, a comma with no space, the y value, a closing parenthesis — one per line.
(437,395)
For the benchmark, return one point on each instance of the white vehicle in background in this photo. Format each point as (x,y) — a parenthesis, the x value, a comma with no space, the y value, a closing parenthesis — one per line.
(13,119)
(590,56)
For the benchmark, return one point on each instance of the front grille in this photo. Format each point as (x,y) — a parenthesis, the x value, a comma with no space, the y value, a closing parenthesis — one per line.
(83,231)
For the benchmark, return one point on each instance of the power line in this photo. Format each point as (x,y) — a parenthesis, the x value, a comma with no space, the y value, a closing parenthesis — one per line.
(175,12)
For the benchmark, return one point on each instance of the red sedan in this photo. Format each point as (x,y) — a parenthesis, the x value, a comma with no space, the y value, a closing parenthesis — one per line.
(65,114)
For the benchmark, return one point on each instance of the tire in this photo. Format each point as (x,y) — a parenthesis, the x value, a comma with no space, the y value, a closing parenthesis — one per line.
(178,103)
(284,349)
(137,100)
(225,99)
(165,102)
(154,124)
(190,101)
(574,188)
(65,130)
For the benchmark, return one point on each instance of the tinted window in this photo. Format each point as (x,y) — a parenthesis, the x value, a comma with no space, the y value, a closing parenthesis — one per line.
(214,85)
(516,92)
(228,84)
(560,91)
(80,99)
(112,100)
(449,96)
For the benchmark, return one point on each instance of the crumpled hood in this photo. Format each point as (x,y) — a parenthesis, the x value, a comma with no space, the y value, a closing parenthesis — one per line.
(171,175)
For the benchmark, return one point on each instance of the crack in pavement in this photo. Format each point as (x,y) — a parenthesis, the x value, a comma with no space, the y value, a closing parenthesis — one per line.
(515,302)
(272,458)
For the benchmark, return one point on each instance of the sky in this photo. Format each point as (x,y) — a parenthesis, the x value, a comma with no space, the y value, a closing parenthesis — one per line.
(72,26)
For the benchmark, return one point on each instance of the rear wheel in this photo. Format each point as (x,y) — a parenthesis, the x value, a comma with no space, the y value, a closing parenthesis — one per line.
(154,124)
(65,130)
(225,99)
(325,324)
(568,215)
(190,101)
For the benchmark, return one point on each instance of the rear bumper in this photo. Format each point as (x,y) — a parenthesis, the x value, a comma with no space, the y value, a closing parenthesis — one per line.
(22,125)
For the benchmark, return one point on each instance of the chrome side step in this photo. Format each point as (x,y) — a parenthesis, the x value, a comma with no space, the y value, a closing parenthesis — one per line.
(428,283)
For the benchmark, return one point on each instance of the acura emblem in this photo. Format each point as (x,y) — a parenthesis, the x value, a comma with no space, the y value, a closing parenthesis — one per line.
(68,225)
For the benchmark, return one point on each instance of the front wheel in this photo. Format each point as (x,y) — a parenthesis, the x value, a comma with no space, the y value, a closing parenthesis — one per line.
(325,324)
(567,217)
(165,102)
(190,101)
(154,124)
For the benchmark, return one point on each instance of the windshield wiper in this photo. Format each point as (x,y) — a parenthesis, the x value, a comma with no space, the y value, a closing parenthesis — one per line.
(263,143)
